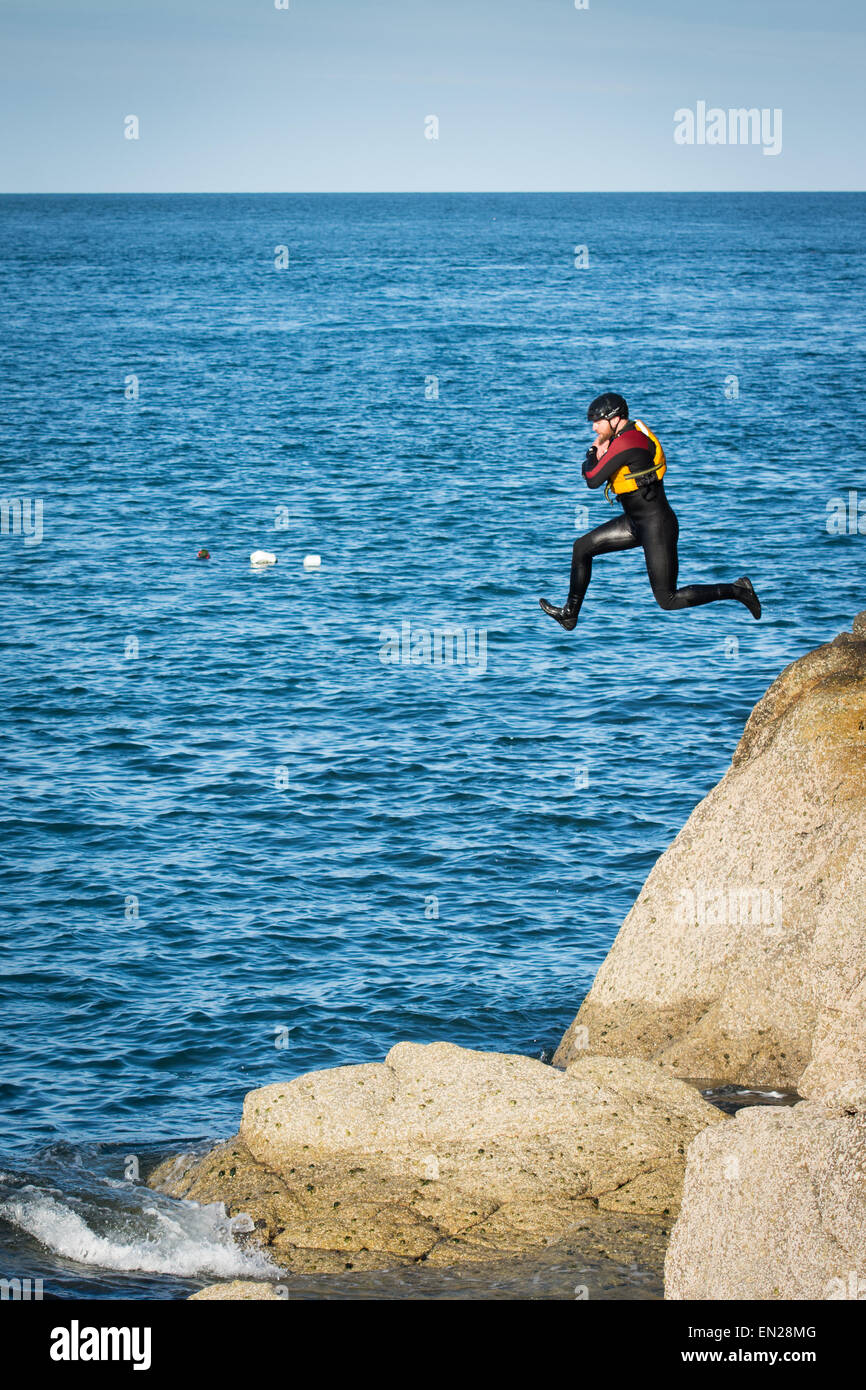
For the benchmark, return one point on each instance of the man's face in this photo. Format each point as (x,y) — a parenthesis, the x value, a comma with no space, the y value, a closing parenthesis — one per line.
(604,429)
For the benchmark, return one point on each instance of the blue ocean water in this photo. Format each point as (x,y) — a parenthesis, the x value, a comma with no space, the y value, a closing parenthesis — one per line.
(239,845)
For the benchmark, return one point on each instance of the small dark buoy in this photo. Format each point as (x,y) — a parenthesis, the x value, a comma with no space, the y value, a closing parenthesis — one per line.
(203,555)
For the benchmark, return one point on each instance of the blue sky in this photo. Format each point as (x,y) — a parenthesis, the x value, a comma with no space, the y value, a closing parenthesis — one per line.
(332,94)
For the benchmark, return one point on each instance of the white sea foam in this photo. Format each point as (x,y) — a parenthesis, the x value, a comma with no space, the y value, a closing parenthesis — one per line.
(189,1241)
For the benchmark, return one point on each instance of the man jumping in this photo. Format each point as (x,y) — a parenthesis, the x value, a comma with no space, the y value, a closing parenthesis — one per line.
(628,458)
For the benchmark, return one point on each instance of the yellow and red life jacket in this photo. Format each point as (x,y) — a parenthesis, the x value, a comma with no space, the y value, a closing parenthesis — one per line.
(628,479)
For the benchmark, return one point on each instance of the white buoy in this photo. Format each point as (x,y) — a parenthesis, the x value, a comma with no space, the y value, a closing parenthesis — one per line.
(312,562)
(260,558)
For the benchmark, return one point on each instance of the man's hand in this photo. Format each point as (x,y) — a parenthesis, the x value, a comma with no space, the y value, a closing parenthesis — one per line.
(601,449)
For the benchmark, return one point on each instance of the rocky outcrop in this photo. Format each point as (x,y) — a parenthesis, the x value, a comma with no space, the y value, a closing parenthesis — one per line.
(774,1207)
(744,957)
(743,960)
(444,1154)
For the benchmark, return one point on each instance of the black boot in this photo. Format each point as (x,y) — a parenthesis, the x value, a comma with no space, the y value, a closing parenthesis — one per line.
(748,597)
(566,616)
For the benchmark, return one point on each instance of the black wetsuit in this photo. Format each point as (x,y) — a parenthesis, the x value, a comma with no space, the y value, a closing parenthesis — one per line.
(649,521)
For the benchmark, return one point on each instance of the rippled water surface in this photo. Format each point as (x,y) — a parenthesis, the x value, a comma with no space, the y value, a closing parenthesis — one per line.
(239,845)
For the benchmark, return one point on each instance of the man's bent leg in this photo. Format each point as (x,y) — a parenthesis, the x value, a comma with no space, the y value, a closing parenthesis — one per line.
(613,535)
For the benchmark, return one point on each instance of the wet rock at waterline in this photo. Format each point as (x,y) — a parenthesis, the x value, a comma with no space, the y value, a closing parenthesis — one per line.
(606,1256)
(243,1290)
(444,1154)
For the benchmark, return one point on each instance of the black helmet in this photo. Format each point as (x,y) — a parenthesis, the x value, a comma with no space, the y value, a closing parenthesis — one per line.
(606,406)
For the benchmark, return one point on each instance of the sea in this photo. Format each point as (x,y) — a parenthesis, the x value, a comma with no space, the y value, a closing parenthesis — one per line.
(265,819)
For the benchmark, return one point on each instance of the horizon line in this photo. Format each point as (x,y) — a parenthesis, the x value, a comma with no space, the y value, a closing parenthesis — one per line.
(394,192)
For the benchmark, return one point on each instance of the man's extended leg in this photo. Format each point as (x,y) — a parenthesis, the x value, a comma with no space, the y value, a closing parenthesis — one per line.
(659,540)
(613,535)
